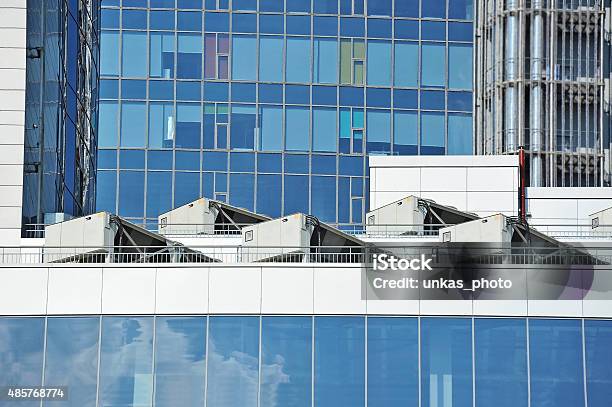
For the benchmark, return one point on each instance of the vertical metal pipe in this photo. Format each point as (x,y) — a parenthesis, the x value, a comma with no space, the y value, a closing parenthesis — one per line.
(511,61)
(535,118)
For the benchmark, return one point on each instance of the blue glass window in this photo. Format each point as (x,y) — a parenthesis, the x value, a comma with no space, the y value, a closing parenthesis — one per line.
(271,128)
(325,25)
(131,193)
(159,160)
(339,361)
(180,361)
(501,362)
(107,159)
(242,190)
(109,18)
(433,8)
(161,20)
(133,89)
(250,5)
(186,187)
(460,134)
(432,100)
(379,8)
(72,358)
(243,124)
(286,352)
(109,89)
(326,6)
(446,362)
(352,27)
(405,132)
(271,24)
(406,67)
(162,55)
(432,133)
(461,9)
(324,95)
(187,160)
(159,192)
(459,66)
(271,58)
(216,91)
(378,131)
(189,21)
(324,125)
(350,96)
(242,162)
(233,367)
(244,51)
(297,164)
(301,6)
(378,97)
(109,53)
(189,91)
(126,358)
(379,63)
(189,4)
(298,25)
(269,198)
(325,50)
(393,360)
(351,165)
(269,163)
(161,90)
(134,46)
(598,336)
(134,19)
(432,64)
(351,7)
(107,124)
(21,354)
(297,94)
(407,29)
(555,359)
(214,161)
(298,59)
(132,159)
(324,198)
(433,30)
(324,164)
(189,56)
(379,28)
(296,192)
(460,31)
(297,128)
(405,8)
(244,23)
(216,22)
(133,124)
(461,101)
(162,3)
(271,5)
(270,93)
(106,186)
(244,92)
(161,125)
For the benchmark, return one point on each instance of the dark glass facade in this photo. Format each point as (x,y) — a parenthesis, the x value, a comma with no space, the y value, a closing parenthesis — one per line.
(274,105)
(306,361)
(61,110)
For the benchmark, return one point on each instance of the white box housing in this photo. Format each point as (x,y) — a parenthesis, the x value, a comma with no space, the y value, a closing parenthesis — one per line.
(492,229)
(399,217)
(193,218)
(267,240)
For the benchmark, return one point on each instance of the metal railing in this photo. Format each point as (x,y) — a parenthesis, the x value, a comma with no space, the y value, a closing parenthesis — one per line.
(441,253)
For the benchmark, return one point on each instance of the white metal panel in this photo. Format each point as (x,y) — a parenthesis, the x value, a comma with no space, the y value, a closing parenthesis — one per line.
(398,179)
(497,202)
(75,290)
(128,290)
(12,37)
(23,291)
(287,290)
(492,179)
(181,290)
(455,199)
(10,195)
(554,308)
(506,308)
(337,290)
(446,307)
(393,307)
(235,290)
(444,179)
(387,197)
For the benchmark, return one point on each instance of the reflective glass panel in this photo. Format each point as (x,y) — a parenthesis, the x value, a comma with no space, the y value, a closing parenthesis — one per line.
(598,337)
(233,361)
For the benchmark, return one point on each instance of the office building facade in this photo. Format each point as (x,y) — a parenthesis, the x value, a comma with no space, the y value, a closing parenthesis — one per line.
(61,106)
(274,105)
